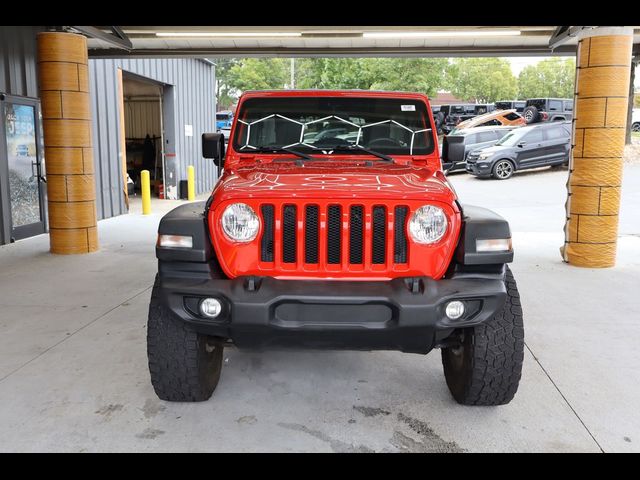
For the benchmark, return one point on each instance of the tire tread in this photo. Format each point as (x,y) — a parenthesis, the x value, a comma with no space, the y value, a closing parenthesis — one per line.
(180,369)
(497,354)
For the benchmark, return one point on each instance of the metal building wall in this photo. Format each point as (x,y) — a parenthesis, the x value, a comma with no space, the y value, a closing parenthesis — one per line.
(18,76)
(18,68)
(194,103)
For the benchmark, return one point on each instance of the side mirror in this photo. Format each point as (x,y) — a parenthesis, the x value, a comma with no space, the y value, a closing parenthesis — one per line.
(522,144)
(213,147)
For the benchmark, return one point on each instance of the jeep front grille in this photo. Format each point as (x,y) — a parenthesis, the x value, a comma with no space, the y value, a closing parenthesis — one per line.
(289,229)
(333,238)
(266,243)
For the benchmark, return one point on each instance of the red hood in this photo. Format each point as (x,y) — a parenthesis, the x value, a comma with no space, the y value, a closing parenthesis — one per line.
(334,179)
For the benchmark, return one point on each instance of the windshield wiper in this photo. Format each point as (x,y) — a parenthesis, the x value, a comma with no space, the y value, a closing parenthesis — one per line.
(278,149)
(358,148)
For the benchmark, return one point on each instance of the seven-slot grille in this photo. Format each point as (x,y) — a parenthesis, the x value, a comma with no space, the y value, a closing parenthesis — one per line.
(334,235)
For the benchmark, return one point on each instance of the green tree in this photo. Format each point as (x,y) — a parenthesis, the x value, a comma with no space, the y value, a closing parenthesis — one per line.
(425,75)
(225,93)
(552,77)
(234,76)
(408,74)
(258,74)
(484,80)
(333,73)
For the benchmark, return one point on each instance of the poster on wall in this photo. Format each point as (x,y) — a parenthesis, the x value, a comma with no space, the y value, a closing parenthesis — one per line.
(171,176)
(19,121)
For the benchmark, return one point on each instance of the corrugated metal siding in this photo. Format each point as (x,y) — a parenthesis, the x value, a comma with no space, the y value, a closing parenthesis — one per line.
(106,138)
(142,118)
(18,67)
(194,90)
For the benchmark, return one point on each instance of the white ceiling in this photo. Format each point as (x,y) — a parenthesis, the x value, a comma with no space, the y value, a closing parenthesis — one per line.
(336,41)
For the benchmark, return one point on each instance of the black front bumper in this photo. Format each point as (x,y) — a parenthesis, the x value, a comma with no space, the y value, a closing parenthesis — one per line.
(478,169)
(401,314)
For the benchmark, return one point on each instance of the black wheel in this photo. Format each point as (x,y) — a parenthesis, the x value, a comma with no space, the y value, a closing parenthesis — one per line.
(184,365)
(531,114)
(503,169)
(635,127)
(485,368)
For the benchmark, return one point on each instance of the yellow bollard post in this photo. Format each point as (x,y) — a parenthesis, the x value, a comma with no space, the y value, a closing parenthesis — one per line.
(191,183)
(145,184)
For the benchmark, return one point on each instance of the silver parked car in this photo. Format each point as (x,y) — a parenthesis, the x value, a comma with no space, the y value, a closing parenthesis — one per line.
(457,146)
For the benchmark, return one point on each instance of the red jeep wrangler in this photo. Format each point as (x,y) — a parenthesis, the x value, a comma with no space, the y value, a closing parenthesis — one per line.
(333,226)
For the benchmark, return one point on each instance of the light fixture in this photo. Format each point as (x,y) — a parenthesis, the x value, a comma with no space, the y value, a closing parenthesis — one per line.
(454,310)
(175,241)
(210,307)
(228,34)
(493,245)
(442,33)
(240,223)
(428,224)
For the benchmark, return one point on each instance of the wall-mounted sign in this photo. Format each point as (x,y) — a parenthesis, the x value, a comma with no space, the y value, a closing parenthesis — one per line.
(188,130)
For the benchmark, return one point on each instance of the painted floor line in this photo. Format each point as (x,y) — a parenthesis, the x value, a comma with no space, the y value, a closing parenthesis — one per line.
(564,398)
(69,336)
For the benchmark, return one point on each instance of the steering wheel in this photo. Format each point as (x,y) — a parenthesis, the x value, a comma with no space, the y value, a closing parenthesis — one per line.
(384,142)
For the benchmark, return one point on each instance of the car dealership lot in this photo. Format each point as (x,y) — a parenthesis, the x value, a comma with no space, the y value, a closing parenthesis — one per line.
(73,372)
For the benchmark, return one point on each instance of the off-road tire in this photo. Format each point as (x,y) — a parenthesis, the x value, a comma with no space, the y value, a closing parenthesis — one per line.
(531,114)
(184,365)
(486,368)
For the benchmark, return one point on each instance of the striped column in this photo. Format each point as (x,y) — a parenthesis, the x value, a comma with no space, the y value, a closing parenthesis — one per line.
(595,168)
(64,92)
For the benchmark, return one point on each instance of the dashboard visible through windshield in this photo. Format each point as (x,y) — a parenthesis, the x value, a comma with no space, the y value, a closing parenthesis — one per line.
(320,124)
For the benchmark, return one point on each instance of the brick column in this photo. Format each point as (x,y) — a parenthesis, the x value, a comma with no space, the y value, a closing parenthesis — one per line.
(595,168)
(64,92)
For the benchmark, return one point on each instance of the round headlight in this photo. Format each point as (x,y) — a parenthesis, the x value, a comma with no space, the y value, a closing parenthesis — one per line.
(428,224)
(240,223)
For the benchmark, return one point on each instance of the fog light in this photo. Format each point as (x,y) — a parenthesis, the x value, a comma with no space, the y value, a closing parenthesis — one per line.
(454,310)
(210,307)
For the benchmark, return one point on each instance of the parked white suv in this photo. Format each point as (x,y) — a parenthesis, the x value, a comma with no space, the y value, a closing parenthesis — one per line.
(635,120)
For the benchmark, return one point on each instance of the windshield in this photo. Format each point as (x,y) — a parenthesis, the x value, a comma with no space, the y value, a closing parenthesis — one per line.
(320,124)
(223,116)
(513,137)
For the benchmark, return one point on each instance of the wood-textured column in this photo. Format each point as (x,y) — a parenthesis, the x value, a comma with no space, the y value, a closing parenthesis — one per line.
(595,169)
(64,92)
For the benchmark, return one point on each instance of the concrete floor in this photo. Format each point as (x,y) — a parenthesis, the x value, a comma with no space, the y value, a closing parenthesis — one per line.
(73,367)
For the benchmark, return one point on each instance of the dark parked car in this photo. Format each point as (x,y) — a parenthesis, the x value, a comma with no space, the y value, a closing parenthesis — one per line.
(457,146)
(517,105)
(531,146)
(548,109)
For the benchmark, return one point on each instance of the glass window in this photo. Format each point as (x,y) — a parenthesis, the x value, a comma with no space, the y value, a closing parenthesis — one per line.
(317,124)
(511,116)
(533,136)
(486,137)
(555,105)
(568,105)
(558,132)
